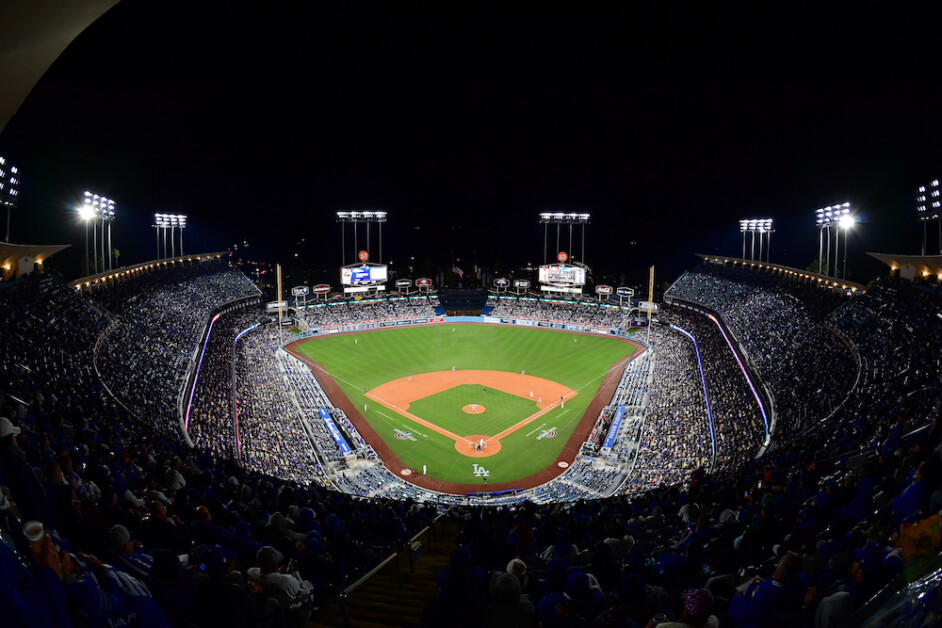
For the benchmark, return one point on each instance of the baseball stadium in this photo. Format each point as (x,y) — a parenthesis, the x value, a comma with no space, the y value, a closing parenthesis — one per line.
(369,425)
(514,431)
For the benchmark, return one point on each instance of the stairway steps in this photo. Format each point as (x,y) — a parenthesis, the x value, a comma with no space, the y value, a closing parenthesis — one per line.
(380,602)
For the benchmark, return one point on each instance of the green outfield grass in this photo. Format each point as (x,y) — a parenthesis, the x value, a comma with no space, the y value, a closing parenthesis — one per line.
(500,409)
(367,360)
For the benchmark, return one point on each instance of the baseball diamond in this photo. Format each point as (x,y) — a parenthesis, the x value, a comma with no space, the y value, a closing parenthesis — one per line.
(525,379)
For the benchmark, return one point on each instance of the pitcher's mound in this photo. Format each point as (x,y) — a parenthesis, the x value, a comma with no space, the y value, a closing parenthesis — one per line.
(473,408)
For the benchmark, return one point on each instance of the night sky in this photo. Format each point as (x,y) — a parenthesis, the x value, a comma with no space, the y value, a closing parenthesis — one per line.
(667,122)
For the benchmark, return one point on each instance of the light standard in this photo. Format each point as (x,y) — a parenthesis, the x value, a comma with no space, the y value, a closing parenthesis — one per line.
(825,218)
(86,213)
(9,189)
(765,227)
(928,205)
(182,224)
(743,228)
(756,225)
(162,222)
(846,222)
(104,209)
(564,218)
(109,217)
(356,217)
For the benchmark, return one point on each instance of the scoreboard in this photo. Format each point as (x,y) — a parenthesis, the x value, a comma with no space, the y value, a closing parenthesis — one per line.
(562,275)
(361,275)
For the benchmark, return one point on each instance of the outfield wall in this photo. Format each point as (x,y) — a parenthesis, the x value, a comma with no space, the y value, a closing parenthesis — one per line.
(446,320)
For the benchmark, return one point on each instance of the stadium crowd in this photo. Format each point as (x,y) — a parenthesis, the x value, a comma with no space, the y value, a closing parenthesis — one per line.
(803,536)
(272,437)
(807,535)
(338,312)
(676,436)
(807,366)
(106,520)
(585,312)
(739,426)
(145,354)
(208,414)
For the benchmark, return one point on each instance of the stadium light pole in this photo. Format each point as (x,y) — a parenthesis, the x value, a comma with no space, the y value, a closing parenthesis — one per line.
(163,222)
(103,208)
(743,228)
(110,250)
(826,218)
(9,189)
(762,226)
(90,208)
(846,223)
(355,217)
(564,218)
(819,222)
(752,251)
(767,227)
(86,214)
(929,208)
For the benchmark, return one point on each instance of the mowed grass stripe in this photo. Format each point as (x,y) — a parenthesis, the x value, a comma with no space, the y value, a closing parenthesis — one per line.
(366,360)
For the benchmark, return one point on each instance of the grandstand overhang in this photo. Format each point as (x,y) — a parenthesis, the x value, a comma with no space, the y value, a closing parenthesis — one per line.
(798,274)
(22,259)
(32,36)
(911,267)
(126,272)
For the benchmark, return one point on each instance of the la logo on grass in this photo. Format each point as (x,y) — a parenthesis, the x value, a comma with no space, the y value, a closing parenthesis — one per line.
(480,471)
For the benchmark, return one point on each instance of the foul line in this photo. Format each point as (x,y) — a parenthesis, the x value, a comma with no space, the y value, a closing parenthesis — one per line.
(513,428)
(418,420)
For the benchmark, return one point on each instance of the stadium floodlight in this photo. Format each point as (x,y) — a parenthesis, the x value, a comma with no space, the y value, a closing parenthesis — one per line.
(560,218)
(9,189)
(846,222)
(377,215)
(929,208)
(762,226)
(825,219)
(163,222)
(366,216)
(104,210)
(86,214)
(565,218)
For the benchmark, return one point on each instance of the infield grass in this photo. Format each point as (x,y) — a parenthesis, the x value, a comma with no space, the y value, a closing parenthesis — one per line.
(365,360)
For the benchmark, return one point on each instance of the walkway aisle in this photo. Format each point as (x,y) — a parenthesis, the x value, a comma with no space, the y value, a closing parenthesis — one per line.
(380,603)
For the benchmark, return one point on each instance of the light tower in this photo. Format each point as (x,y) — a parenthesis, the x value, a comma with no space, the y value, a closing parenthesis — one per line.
(928,206)
(762,226)
(103,209)
(9,189)
(366,217)
(559,219)
(825,218)
(846,223)
(87,214)
(164,222)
